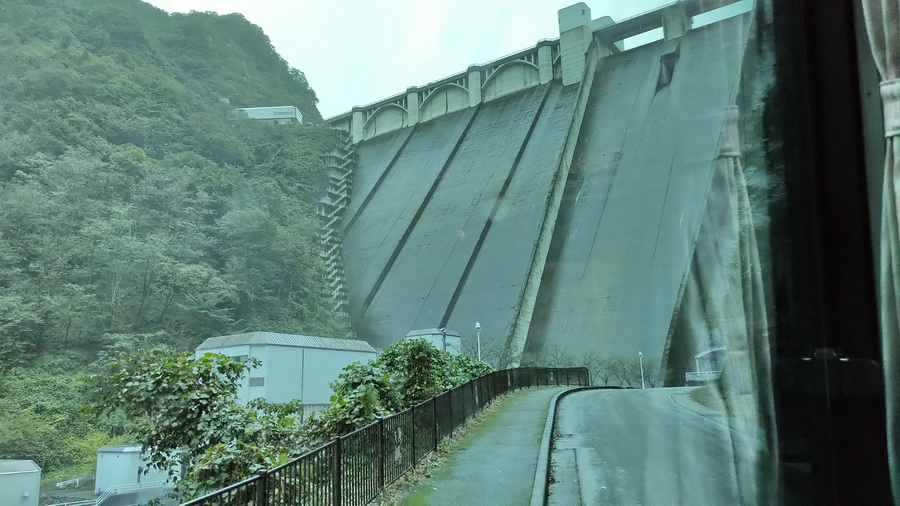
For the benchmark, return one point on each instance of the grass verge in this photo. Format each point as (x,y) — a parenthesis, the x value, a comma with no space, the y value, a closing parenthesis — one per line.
(709,397)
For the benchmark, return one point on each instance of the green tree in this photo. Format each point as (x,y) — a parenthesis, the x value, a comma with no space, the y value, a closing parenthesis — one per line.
(362,393)
(419,369)
(20,331)
(184,408)
(174,401)
(464,368)
(269,436)
(406,373)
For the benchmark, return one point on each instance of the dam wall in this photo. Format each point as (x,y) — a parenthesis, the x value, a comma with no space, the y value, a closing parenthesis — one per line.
(560,213)
(635,200)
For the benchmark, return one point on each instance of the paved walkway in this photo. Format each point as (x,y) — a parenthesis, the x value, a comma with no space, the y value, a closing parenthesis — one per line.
(495,463)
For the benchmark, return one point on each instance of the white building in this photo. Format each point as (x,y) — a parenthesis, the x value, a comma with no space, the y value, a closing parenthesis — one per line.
(20,482)
(279,115)
(124,468)
(446,340)
(294,367)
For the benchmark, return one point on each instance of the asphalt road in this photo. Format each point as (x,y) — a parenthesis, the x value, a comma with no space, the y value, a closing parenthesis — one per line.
(651,447)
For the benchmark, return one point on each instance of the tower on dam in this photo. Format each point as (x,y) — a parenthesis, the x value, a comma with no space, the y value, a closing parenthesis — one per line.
(577,197)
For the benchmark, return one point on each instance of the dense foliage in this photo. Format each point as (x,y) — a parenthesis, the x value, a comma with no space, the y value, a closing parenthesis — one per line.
(405,374)
(174,401)
(183,410)
(133,212)
(41,418)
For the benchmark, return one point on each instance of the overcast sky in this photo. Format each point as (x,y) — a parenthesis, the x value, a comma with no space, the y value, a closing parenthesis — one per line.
(355,52)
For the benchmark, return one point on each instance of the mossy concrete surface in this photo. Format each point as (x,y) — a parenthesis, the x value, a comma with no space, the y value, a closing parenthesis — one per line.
(495,463)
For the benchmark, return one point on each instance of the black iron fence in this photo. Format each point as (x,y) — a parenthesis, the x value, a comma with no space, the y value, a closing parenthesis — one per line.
(353,469)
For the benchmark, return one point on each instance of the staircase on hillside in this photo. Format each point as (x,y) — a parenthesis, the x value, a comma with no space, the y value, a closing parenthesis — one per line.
(331,204)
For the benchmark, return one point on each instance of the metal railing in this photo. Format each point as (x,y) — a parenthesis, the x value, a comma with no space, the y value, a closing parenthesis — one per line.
(75,481)
(353,469)
(702,376)
(115,490)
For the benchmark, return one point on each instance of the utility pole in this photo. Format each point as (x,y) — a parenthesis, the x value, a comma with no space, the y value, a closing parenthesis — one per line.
(641,358)
(478,338)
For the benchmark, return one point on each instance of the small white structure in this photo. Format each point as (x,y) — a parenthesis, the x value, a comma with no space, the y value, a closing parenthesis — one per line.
(294,367)
(709,366)
(442,339)
(279,115)
(20,482)
(123,467)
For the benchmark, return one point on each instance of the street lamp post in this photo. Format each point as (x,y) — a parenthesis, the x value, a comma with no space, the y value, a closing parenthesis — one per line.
(641,358)
(478,338)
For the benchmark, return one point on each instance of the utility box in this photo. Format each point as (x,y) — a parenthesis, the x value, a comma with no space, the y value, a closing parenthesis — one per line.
(20,483)
(125,466)
(444,340)
(293,366)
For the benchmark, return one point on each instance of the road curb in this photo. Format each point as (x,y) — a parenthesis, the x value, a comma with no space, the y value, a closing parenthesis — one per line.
(683,400)
(733,424)
(542,472)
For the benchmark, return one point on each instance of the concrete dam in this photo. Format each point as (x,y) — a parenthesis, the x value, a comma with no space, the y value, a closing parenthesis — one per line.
(575,197)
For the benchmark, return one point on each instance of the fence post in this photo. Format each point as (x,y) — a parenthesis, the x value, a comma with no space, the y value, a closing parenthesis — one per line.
(413,410)
(450,409)
(434,421)
(262,488)
(476,397)
(381,479)
(336,469)
(477,388)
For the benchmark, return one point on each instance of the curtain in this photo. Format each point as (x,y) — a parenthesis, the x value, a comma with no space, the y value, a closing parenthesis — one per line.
(723,308)
(883,27)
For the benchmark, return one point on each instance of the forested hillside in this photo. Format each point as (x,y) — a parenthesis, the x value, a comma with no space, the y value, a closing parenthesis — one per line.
(133,213)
